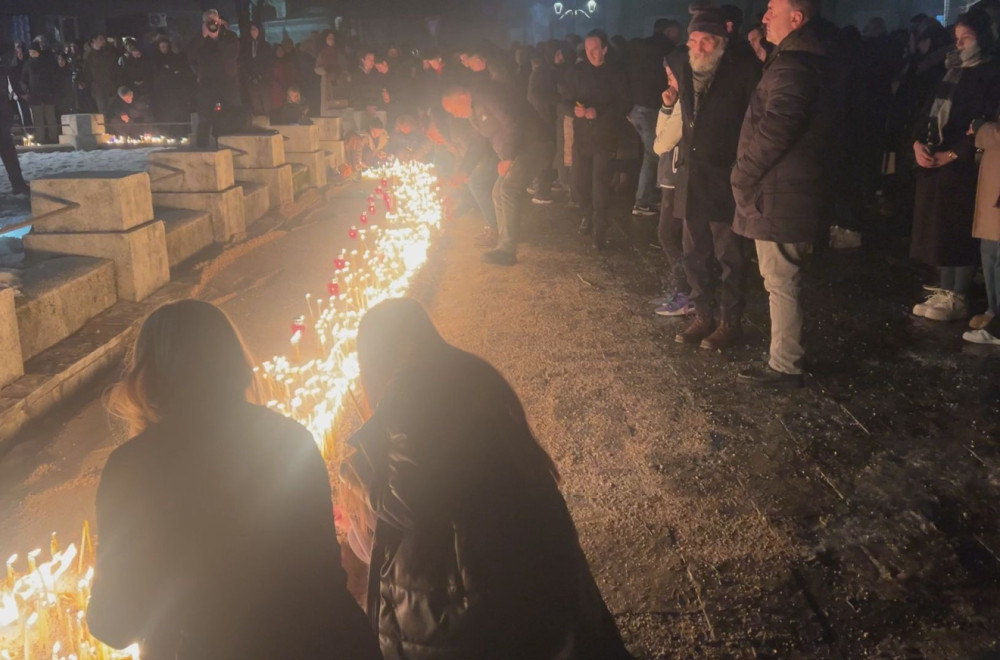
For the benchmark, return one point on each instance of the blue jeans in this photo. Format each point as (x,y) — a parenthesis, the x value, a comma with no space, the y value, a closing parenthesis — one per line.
(643,119)
(990,252)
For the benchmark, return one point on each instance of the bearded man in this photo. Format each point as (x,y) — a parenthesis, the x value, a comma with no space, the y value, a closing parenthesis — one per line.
(715,85)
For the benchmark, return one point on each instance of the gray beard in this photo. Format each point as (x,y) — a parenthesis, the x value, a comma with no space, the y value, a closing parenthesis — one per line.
(707,63)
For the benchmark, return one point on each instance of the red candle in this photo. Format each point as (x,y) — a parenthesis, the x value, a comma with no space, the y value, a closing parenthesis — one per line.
(340,264)
(352,232)
(371,208)
(378,190)
(371,199)
(299,325)
(385,183)
(333,288)
(364,218)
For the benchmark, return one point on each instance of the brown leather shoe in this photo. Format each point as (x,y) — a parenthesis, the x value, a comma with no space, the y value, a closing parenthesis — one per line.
(698,329)
(725,336)
(488,239)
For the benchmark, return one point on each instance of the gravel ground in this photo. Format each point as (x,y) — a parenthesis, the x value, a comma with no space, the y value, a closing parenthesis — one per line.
(856,517)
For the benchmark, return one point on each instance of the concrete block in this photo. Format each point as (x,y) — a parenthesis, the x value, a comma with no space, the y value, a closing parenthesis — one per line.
(187,232)
(256,150)
(205,170)
(82,124)
(261,121)
(60,295)
(317,162)
(84,141)
(256,201)
(139,254)
(277,179)
(299,138)
(11,360)
(328,127)
(225,207)
(336,150)
(109,201)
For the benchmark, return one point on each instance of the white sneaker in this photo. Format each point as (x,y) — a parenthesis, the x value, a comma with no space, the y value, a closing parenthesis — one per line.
(980,337)
(948,308)
(935,297)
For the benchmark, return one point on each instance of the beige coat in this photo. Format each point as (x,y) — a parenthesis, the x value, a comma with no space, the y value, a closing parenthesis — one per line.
(987,221)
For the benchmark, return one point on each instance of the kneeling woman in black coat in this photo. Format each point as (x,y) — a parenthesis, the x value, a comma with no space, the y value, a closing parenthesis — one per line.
(215,525)
(474,553)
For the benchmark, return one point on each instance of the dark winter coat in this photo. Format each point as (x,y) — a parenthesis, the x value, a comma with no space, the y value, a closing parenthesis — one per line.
(945,199)
(475,554)
(710,138)
(646,75)
(257,62)
(217,540)
(40,80)
(216,61)
(604,88)
(291,113)
(508,124)
(100,69)
(366,89)
(542,94)
(780,177)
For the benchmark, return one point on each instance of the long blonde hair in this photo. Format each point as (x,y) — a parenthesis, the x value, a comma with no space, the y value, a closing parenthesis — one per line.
(188,358)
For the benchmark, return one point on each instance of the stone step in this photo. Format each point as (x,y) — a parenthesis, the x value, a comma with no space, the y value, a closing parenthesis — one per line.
(256,200)
(59,296)
(300,178)
(188,232)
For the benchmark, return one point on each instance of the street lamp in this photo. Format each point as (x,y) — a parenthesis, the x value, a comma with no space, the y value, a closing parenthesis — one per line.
(562,11)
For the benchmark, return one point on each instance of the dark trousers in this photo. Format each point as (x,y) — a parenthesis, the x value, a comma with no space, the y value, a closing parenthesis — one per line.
(509,191)
(546,175)
(43,118)
(703,242)
(7,151)
(670,232)
(592,182)
(212,102)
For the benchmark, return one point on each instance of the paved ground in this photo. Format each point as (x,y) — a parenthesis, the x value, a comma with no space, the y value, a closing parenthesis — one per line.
(857,517)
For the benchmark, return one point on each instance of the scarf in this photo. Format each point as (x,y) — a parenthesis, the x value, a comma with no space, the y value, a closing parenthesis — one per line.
(702,80)
(956,63)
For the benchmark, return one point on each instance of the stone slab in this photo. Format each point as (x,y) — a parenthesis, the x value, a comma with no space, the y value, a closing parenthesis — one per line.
(225,207)
(84,141)
(82,124)
(187,232)
(256,201)
(205,170)
(11,360)
(336,150)
(329,128)
(299,138)
(317,162)
(139,254)
(277,179)
(255,150)
(59,296)
(109,201)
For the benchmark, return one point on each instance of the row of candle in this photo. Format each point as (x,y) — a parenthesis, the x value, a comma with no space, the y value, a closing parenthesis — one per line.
(42,610)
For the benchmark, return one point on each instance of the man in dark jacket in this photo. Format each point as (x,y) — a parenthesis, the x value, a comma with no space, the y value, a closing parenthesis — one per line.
(100,68)
(137,73)
(39,80)
(597,92)
(367,84)
(779,178)
(647,80)
(130,115)
(257,67)
(215,58)
(516,135)
(171,100)
(8,153)
(715,87)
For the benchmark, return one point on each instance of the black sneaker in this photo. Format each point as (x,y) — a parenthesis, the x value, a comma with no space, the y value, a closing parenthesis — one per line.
(499,258)
(645,211)
(768,377)
(22,189)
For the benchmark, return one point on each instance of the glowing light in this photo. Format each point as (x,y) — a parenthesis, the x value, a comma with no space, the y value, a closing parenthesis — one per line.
(42,612)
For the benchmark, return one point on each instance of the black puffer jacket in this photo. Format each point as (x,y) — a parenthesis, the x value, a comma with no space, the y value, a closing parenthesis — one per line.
(781,173)
(508,124)
(475,554)
(40,79)
(216,61)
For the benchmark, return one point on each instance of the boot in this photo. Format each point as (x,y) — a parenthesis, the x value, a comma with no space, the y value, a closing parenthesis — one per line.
(698,329)
(488,238)
(725,336)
